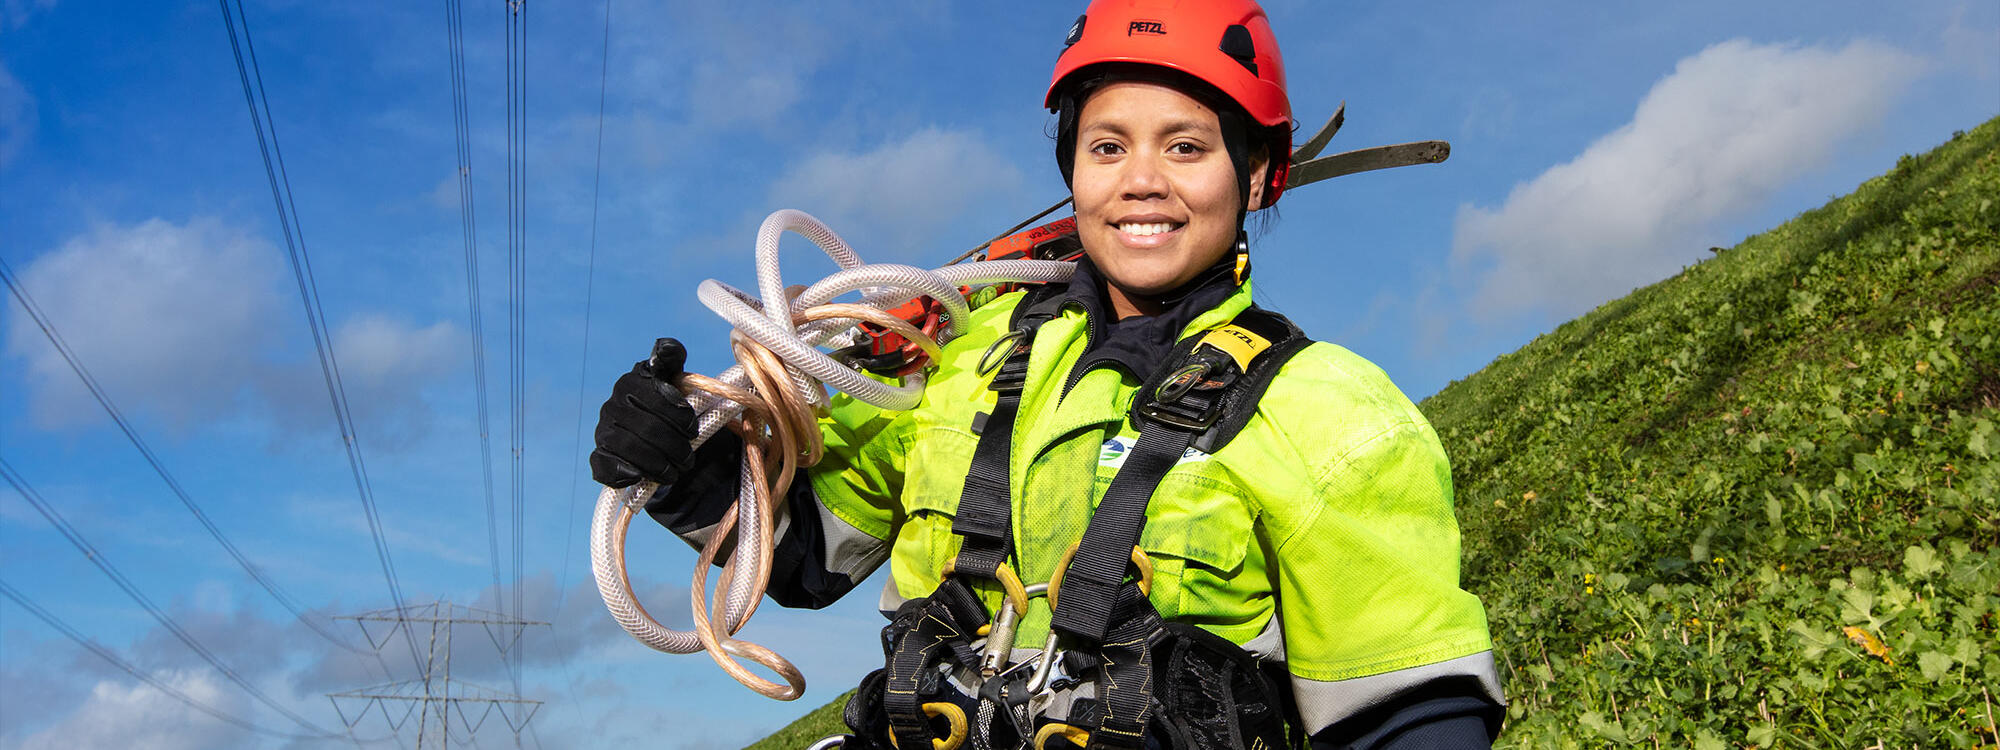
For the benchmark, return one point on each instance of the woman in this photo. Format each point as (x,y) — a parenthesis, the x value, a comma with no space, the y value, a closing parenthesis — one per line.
(1218,499)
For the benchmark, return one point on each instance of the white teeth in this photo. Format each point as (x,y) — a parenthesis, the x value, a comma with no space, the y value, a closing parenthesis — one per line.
(1145,230)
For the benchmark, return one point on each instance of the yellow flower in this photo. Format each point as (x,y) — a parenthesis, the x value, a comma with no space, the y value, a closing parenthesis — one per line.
(1590,589)
(1590,578)
(1718,560)
(1868,642)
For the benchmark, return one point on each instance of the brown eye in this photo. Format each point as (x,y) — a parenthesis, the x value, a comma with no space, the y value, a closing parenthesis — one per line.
(1106,149)
(1185,148)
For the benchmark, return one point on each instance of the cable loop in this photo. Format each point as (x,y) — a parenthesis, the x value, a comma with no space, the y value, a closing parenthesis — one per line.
(773,399)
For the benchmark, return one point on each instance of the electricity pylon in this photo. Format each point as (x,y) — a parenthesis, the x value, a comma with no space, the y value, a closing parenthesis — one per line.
(435,692)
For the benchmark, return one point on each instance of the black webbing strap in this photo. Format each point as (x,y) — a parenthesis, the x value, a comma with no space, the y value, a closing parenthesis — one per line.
(1090,586)
(915,652)
(984,515)
(1174,411)
(924,632)
(1202,395)
(1125,684)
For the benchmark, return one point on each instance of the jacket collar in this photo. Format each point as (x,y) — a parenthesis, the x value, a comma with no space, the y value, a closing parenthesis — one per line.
(1138,344)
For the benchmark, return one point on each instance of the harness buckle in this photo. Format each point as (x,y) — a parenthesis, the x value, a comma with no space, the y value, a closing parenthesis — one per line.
(1190,398)
(1007,361)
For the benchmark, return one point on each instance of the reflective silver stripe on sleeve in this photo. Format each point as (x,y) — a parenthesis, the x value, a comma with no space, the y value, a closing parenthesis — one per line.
(1323,703)
(1269,645)
(892,597)
(698,538)
(848,551)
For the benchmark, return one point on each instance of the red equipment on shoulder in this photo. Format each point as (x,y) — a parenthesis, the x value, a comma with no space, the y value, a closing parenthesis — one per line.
(888,354)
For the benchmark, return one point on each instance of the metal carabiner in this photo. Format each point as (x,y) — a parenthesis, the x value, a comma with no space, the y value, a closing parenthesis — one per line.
(1014,340)
(1000,639)
(1038,683)
(1045,665)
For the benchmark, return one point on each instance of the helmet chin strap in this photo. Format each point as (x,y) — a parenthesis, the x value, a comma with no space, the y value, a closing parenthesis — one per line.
(1242,254)
(1236,141)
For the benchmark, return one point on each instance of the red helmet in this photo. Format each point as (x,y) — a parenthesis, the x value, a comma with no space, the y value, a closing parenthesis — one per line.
(1225,43)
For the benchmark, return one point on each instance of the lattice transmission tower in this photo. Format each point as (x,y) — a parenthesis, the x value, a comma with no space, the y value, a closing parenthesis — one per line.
(434,697)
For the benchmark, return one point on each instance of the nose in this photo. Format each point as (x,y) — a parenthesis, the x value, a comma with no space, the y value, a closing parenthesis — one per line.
(1141,178)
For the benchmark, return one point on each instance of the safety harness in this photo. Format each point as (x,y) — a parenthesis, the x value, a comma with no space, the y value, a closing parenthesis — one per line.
(1130,675)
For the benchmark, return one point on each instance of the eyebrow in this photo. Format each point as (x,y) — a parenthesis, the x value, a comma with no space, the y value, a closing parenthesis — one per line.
(1170,128)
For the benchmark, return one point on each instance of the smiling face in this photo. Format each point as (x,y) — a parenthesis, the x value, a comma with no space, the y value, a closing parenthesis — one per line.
(1156,197)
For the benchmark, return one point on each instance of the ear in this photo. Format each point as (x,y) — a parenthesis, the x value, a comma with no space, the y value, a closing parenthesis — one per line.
(1260,179)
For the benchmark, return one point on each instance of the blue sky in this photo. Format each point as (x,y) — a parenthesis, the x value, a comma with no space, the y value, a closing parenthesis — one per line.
(1596,147)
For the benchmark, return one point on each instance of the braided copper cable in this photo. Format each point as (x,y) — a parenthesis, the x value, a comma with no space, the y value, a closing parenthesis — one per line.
(779,428)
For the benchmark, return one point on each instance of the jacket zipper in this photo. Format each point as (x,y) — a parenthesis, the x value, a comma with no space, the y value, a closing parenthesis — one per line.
(1083,366)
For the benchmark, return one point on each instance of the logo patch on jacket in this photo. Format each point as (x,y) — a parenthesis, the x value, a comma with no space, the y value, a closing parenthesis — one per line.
(1112,454)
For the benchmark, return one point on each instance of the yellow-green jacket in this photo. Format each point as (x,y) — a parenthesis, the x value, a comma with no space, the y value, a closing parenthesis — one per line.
(1322,534)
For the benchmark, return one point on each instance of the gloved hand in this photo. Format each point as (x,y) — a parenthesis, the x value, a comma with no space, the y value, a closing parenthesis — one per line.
(645,428)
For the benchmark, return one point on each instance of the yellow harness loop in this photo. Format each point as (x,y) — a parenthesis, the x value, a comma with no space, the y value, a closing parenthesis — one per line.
(1076,735)
(1139,560)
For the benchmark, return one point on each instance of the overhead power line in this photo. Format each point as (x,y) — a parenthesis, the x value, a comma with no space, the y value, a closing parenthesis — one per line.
(583,360)
(295,246)
(589,287)
(104,400)
(97,558)
(517,263)
(468,217)
(106,654)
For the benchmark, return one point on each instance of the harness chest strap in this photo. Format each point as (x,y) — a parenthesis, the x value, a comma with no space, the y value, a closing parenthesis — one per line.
(1204,395)
(1201,399)
(983,519)
(1220,374)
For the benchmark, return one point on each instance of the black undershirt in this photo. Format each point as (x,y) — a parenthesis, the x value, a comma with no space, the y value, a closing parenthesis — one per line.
(1139,343)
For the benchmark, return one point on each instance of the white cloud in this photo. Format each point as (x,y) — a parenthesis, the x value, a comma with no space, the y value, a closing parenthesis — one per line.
(384,364)
(164,315)
(1731,126)
(125,714)
(902,194)
(376,348)
(734,63)
(192,322)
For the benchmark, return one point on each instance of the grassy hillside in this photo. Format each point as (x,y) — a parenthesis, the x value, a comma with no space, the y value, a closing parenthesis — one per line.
(1755,504)
(808,729)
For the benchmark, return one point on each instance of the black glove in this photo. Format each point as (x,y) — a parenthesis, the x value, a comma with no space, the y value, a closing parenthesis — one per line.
(644,429)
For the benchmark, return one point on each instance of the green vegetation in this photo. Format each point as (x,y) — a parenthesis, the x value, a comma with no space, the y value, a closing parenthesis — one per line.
(809,729)
(1755,504)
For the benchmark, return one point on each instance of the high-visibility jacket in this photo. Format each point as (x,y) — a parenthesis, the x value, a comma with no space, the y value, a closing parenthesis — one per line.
(1322,534)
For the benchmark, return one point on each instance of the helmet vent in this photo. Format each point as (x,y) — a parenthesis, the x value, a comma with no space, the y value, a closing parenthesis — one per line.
(1075,32)
(1236,43)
